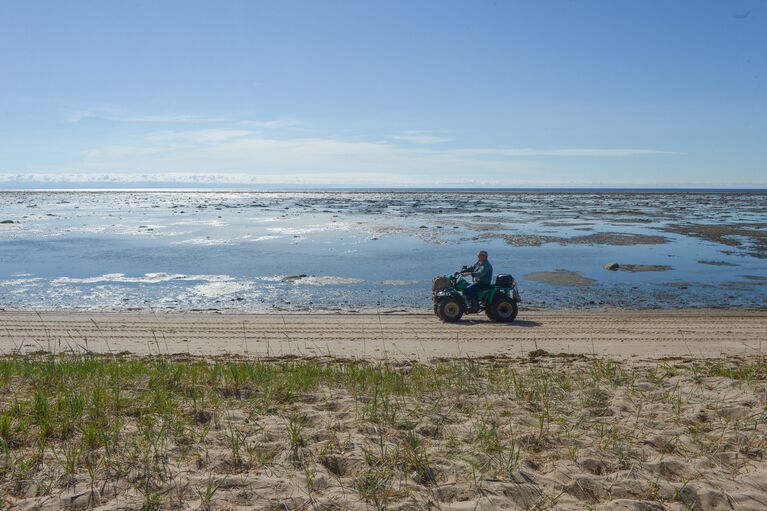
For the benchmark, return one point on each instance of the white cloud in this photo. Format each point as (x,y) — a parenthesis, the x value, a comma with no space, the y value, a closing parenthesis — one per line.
(358,179)
(239,155)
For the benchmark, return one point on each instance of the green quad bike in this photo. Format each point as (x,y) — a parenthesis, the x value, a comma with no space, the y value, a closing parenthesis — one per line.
(499,301)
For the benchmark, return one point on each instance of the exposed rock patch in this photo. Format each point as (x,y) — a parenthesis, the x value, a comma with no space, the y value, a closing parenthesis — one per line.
(751,236)
(597,238)
(717,263)
(637,267)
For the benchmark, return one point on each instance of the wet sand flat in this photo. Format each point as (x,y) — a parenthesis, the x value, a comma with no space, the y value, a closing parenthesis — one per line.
(109,251)
(646,334)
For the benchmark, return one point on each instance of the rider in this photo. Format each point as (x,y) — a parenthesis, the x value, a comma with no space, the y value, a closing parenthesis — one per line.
(482,274)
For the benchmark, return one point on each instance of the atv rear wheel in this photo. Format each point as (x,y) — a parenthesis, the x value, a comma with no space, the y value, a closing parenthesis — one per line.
(449,309)
(489,312)
(503,309)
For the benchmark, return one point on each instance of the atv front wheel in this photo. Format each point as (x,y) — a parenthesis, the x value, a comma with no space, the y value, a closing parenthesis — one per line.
(503,309)
(449,309)
(489,312)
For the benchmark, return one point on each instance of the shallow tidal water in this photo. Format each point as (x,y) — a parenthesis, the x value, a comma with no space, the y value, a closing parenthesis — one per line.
(377,251)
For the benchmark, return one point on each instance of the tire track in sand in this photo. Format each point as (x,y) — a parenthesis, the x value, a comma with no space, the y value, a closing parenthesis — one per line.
(618,334)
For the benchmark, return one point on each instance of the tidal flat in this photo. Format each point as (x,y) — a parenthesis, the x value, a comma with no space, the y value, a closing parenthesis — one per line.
(375,251)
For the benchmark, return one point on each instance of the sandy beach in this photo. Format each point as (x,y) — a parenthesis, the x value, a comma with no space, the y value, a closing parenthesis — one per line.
(614,410)
(646,334)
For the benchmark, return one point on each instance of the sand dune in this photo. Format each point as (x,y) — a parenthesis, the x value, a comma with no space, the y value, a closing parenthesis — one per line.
(534,432)
(637,411)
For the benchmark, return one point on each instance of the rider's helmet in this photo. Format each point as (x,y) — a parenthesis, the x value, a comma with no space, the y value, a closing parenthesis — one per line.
(482,253)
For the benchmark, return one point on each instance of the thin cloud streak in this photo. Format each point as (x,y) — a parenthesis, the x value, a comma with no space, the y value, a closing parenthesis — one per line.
(239,143)
(205,136)
(420,137)
(116,115)
(271,124)
(119,152)
(574,152)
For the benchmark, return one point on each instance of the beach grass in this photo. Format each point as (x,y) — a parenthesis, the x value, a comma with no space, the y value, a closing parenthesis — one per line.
(537,432)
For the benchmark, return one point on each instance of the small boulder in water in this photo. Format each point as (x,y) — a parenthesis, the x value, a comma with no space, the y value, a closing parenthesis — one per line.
(7,222)
(293,278)
(612,266)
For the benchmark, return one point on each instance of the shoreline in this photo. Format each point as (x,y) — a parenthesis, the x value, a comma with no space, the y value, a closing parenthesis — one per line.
(416,311)
(414,190)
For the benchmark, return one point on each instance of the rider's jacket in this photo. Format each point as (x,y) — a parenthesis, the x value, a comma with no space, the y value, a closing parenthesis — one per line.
(482,272)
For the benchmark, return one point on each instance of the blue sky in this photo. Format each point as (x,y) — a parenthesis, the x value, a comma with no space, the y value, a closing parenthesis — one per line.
(362,93)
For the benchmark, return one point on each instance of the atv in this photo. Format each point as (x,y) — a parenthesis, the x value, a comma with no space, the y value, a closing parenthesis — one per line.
(499,301)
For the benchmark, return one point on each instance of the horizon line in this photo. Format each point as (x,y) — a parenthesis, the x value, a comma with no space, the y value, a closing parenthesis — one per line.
(373,189)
